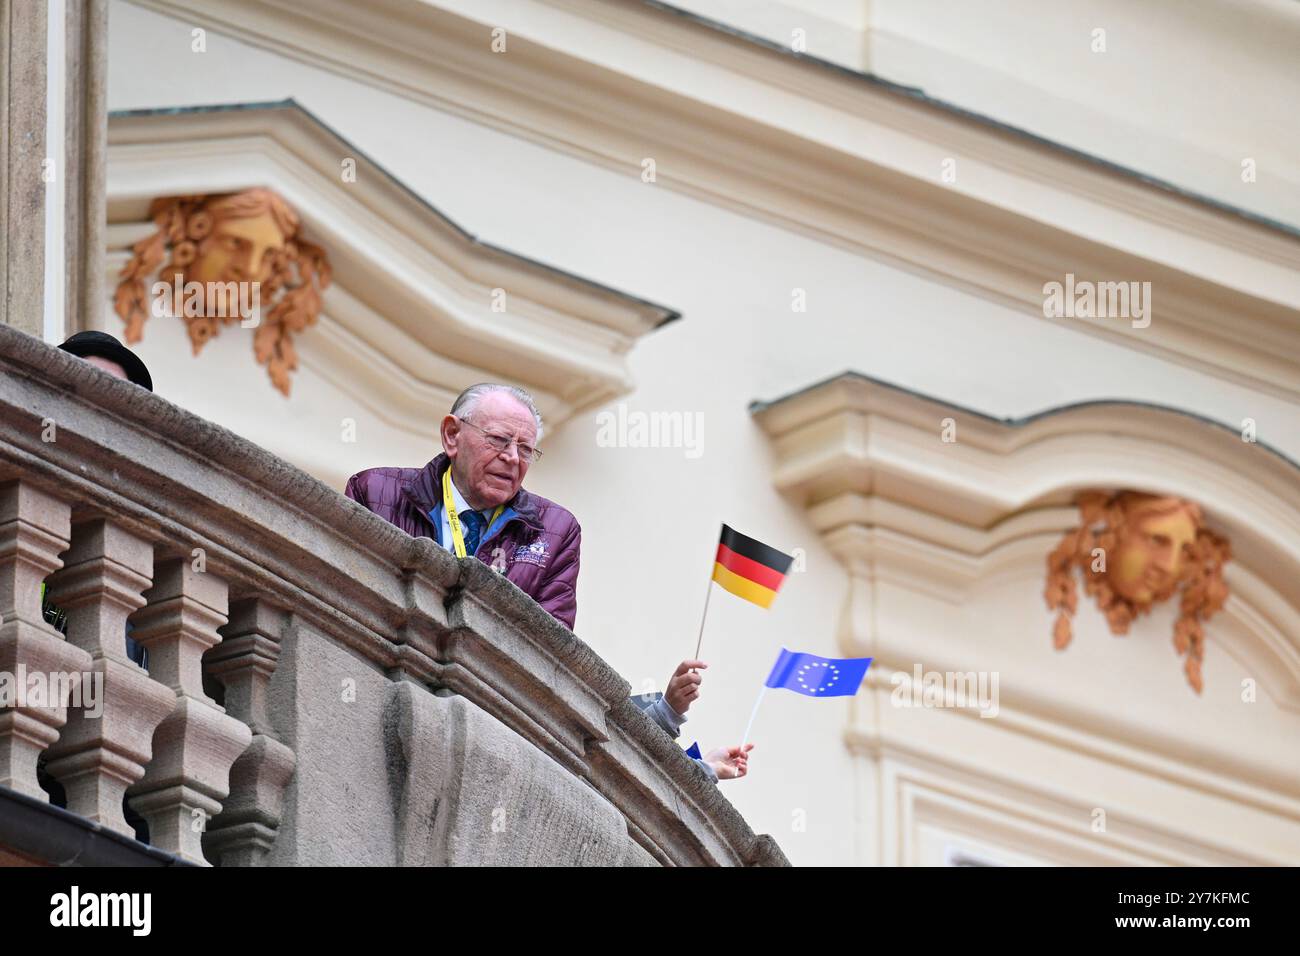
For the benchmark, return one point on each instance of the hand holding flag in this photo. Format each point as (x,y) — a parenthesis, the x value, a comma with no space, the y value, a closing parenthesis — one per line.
(684,685)
(729,763)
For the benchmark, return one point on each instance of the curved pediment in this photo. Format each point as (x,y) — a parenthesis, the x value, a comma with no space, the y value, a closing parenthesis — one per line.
(419,308)
(943,499)
(989,468)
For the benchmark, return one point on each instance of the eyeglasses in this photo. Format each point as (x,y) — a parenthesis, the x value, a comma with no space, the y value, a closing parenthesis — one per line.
(503,442)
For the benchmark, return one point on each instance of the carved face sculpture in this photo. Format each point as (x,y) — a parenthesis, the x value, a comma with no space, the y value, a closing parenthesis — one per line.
(236,250)
(1151,547)
(228,259)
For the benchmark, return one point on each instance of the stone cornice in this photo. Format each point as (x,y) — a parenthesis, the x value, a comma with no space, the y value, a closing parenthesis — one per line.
(401,605)
(411,288)
(853,433)
(821,152)
(859,453)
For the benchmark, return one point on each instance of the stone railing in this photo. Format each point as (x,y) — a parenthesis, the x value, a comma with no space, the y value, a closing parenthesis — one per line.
(321,688)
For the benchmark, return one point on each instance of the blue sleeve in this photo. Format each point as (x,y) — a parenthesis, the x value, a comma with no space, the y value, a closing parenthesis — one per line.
(666,717)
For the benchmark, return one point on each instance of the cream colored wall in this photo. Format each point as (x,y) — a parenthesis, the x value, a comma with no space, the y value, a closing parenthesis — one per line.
(651,515)
(1183,91)
(1108,725)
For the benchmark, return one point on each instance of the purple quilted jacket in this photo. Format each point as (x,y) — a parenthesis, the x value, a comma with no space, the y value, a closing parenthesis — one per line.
(536,540)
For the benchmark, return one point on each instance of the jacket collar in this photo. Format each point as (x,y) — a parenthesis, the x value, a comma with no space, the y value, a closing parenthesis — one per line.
(426,492)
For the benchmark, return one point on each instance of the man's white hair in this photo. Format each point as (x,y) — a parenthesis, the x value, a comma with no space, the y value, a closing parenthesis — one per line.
(467,402)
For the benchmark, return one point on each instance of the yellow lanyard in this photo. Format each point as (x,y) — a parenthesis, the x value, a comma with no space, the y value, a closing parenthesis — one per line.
(457,538)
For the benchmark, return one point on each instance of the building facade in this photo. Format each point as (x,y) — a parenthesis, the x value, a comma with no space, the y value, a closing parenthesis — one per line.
(890,286)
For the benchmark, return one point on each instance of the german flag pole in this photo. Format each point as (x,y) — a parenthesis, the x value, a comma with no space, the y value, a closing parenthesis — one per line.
(700,640)
(748,569)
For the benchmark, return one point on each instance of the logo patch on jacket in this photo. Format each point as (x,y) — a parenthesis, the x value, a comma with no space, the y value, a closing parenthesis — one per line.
(534,553)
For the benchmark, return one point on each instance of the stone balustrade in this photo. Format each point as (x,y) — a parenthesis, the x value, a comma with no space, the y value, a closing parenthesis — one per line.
(321,688)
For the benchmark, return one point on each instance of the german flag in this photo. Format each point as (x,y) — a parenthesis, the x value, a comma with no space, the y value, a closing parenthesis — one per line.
(749,568)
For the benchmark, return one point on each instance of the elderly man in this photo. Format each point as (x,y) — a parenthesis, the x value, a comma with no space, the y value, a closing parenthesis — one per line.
(471,501)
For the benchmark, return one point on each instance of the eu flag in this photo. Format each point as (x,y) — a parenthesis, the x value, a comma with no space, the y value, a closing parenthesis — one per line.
(815,676)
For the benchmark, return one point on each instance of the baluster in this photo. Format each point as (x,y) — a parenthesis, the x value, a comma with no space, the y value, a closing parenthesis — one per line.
(244,662)
(98,756)
(34,530)
(196,744)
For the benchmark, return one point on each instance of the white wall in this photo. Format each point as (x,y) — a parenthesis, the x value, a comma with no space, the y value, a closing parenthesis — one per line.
(1183,92)
(651,515)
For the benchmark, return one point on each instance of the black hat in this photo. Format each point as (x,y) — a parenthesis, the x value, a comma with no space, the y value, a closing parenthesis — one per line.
(105,346)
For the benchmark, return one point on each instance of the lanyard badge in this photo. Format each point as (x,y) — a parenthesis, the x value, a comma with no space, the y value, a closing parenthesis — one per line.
(457,536)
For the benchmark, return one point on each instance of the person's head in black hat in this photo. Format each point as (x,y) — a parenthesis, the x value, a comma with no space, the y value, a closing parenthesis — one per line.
(102,350)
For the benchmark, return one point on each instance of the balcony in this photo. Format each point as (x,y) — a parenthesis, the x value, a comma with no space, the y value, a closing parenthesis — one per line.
(321,688)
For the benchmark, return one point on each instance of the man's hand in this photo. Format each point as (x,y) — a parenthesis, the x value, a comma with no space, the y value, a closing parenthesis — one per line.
(729,762)
(684,685)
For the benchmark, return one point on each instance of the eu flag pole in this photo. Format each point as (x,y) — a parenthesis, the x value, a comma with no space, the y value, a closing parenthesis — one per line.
(811,676)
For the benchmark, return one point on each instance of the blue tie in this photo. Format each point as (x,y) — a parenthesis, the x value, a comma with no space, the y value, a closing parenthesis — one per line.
(472,529)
